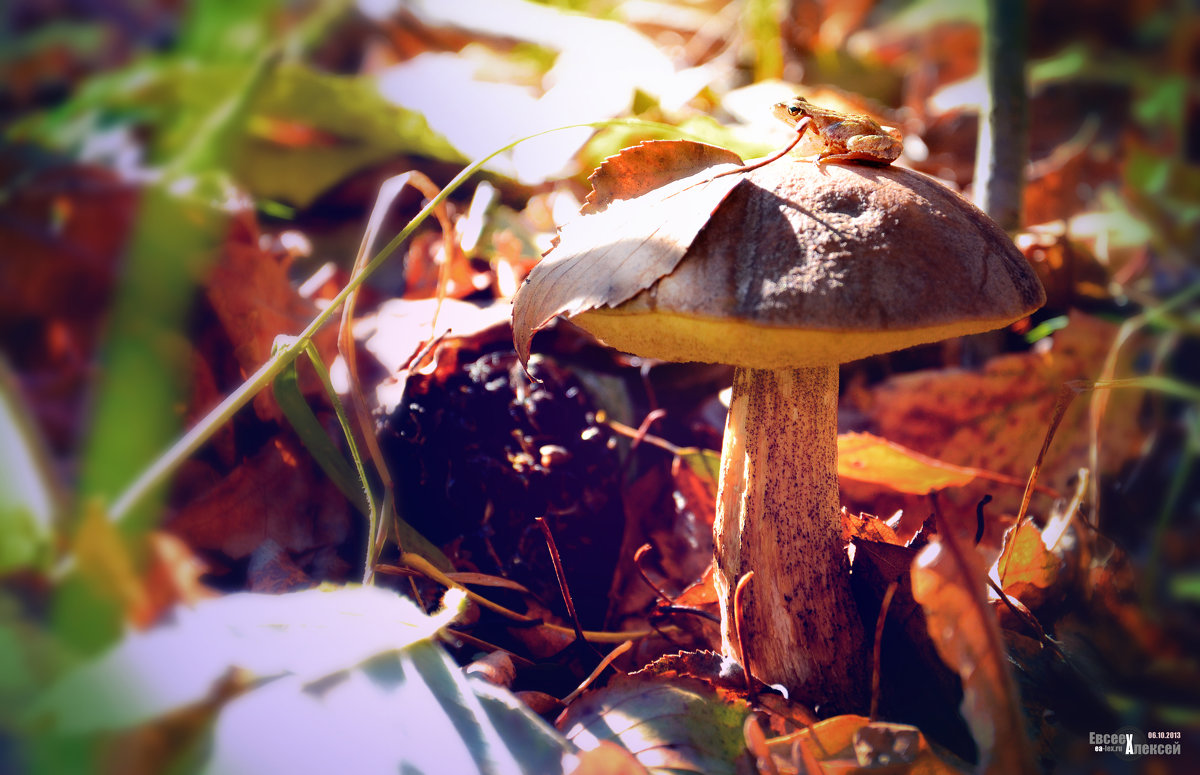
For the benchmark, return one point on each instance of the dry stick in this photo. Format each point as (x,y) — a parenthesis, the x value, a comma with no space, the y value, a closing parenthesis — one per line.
(479,643)
(562,583)
(1025,615)
(738,591)
(633,433)
(878,653)
(637,563)
(644,428)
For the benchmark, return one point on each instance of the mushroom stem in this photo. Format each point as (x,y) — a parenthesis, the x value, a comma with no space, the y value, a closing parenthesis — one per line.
(778,515)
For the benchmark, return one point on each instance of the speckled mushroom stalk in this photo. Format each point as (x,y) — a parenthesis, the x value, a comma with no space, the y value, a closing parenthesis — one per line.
(777,514)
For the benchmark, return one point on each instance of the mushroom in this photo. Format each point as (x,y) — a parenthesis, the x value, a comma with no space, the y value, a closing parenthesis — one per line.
(800,268)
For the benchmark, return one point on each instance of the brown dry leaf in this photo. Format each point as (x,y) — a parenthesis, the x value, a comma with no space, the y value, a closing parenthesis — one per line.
(278,494)
(867,458)
(717,672)
(424,265)
(700,594)
(63,227)
(649,204)
(273,571)
(995,420)
(867,527)
(948,582)
(254,300)
(681,725)
(172,576)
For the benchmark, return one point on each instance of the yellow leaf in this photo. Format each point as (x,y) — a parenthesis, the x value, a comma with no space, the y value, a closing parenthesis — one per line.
(867,458)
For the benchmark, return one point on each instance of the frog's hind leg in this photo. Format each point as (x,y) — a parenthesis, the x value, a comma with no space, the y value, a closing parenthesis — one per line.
(859,156)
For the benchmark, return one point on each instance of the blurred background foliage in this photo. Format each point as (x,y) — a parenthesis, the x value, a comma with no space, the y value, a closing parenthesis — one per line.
(145,141)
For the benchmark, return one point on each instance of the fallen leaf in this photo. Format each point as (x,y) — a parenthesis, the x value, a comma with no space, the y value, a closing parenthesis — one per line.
(272,570)
(255,301)
(916,685)
(867,458)
(608,257)
(322,677)
(995,420)
(276,494)
(673,726)
(867,527)
(172,576)
(948,582)
(855,744)
(1027,569)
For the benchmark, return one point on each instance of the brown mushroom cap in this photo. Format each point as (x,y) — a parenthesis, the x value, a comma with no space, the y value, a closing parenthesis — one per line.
(806,264)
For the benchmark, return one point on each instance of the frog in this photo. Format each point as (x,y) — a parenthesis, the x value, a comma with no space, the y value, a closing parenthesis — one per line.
(846,136)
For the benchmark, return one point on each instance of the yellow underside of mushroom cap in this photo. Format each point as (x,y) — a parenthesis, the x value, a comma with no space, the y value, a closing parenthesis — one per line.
(674,337)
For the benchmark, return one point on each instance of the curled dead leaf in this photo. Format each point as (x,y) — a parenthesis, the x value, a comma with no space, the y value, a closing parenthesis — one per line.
(649,204)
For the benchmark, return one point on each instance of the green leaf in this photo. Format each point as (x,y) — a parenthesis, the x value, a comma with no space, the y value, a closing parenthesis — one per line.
(310,634)
(27,502)
(307,130)
(361,128)
(411,711)
(286,389)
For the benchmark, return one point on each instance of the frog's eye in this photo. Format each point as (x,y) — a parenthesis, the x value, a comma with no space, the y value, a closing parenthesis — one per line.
(794,110)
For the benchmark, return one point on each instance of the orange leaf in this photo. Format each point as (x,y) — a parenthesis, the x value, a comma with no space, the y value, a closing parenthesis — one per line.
(608,759)
(853,744)
(948,582)
(867,458)
(1027,569)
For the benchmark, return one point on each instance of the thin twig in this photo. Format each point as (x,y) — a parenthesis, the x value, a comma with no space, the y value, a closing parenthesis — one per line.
(637,563)
(644,428)
(479,643)
(562,581)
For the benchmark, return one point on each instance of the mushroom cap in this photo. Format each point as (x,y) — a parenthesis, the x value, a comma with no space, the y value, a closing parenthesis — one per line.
(809,264)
